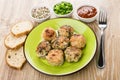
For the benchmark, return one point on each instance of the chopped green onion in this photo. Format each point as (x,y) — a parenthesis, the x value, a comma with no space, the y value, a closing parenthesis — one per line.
(63,8)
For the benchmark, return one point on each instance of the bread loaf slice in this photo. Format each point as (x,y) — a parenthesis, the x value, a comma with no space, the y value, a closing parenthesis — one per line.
(22,28)
(14,42)
(15,58)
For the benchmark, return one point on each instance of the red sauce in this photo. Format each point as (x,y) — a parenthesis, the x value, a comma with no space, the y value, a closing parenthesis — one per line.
(87,11)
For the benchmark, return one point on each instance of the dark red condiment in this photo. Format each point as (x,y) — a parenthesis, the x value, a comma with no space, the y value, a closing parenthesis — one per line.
(87,11)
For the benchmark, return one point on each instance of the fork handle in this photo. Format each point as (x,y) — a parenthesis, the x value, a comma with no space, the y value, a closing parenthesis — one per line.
(101,58)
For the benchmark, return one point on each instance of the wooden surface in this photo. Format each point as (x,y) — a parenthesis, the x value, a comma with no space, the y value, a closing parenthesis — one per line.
(12,11)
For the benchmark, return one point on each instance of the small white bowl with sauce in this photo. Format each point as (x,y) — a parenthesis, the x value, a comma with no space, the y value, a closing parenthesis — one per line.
(87,13)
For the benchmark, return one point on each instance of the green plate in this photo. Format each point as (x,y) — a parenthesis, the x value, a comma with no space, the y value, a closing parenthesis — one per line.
(42,65)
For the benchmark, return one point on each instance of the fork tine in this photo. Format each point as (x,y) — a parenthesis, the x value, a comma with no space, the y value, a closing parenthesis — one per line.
(99,17)
(103,16)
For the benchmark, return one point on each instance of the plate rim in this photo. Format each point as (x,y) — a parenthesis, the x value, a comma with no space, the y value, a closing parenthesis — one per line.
(68,73)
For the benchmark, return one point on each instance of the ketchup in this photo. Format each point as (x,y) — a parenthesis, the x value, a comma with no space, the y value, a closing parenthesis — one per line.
(87,11)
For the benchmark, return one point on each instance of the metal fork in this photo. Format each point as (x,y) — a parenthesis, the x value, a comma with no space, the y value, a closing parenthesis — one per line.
(102,26)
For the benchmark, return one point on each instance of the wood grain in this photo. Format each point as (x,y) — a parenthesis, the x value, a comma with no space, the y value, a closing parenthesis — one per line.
(12,11)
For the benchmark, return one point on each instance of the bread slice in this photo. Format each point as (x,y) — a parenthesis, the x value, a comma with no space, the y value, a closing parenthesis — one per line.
(15,58)
(22,28)
(14,42)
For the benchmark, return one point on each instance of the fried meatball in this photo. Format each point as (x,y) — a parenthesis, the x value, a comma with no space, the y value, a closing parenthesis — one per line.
(43,48)
(65,31)
(49,34)
(72,54)
(55,57)
(60,42)
(78,41)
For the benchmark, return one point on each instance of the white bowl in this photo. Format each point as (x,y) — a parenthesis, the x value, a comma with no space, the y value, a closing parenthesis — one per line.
(88,20)
(65,15)
(36,19)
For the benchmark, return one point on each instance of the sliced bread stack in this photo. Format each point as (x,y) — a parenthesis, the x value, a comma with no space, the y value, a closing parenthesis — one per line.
(15,41)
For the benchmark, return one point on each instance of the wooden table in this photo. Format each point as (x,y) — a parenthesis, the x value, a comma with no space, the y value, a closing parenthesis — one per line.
(12,11)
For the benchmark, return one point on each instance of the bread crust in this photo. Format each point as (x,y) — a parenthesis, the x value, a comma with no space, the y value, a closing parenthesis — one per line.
(21,34)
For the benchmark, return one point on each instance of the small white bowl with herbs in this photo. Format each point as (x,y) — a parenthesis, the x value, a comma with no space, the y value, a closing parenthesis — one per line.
(63,9)
(40,13)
